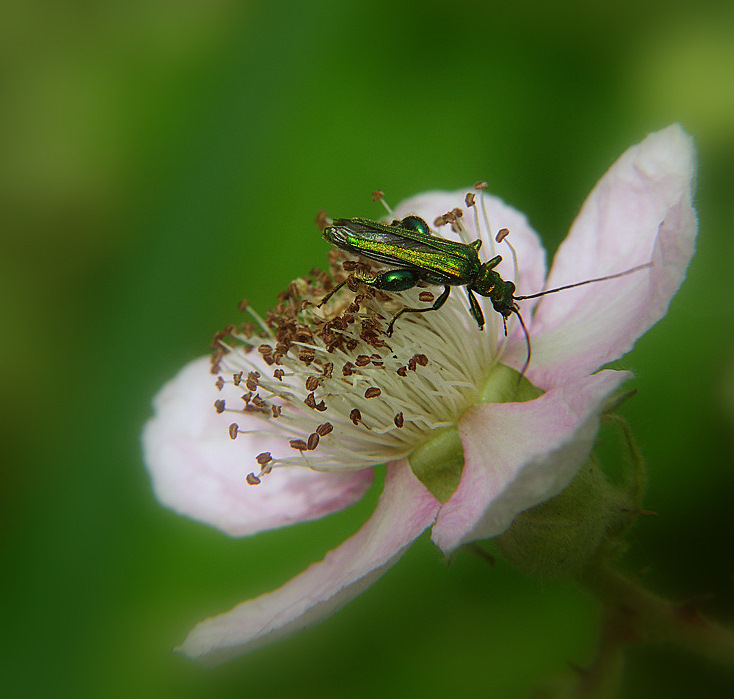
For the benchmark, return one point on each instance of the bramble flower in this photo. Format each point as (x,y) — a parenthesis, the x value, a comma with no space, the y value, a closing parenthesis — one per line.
(304,402)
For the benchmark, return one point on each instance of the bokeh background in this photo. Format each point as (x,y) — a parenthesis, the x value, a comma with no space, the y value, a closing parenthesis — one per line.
(161,160)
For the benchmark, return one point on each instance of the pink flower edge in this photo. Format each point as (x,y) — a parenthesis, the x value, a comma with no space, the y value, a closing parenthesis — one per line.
(404,511)
(198,471)
(640,212)
(518,455)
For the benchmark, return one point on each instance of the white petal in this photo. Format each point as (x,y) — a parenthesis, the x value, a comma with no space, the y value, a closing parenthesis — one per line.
(405,510)
(199,471)
(518,455)
(639,212)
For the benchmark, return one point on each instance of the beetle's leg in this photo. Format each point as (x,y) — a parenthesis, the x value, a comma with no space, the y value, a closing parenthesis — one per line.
(331,293)
(440,301)
(494,262)
(476,309)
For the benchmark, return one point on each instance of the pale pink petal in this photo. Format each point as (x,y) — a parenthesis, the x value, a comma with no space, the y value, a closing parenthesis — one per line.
(531,254)
(199,471)
(405,510)
(520,454)
(639,212)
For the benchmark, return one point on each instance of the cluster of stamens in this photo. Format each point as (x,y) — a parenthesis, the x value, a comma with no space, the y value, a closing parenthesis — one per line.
(331,384)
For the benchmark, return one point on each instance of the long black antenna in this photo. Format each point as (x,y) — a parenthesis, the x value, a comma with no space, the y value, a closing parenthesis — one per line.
(588,281)
(516,310)
(527,342)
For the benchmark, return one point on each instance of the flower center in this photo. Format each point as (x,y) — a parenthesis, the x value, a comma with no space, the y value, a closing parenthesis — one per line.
(332,389)
(331,384)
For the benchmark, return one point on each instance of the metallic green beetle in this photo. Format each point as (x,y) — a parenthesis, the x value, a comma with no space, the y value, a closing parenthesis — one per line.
(422,257)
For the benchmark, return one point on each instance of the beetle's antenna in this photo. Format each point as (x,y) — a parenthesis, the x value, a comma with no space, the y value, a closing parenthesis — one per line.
(379,195)
(588,281)
(525,366)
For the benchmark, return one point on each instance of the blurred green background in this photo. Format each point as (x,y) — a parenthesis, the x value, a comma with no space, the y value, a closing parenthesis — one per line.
(160,160)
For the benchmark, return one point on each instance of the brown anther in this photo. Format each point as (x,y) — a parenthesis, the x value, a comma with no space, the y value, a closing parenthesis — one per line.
(457,212)
(370,337)
(219,383)
(322,220)
(469,199)
(312,383)
(328,370)
(349,265)
(379,194)
(303,334)
(310,400)
(252,479)
(313,441)
(421,359)
(398,420)
(275,410)
(481,184)
(242,305)
(412,363)
(215,359)
(439,221)
(233,430)
(298,444)
(237,378)
(352,283)
(292,291)
(265,349)
(426,296)
(372,392)
(307,355)
(348,369)
(362,360)
(320,406)
(278,374)
(248,330)
(251,381)
(324,428)
(264,458)
(502,233)
(402,371)
(219,405)
(355,416)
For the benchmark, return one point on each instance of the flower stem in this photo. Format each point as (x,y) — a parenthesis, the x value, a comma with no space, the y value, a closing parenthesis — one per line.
(652,619)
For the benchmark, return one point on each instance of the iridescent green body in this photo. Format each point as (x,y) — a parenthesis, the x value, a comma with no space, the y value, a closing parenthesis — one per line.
(420,256)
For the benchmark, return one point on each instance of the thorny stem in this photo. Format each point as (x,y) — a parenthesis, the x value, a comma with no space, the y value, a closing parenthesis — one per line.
(640,616)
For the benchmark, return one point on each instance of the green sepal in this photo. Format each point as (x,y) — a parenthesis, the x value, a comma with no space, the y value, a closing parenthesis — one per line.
(504,385)
(438,462)
(560,536)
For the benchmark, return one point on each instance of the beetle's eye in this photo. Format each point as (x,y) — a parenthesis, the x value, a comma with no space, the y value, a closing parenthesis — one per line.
(415,223)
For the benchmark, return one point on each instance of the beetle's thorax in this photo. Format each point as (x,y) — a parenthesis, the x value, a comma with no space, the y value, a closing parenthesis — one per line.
(489,283)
